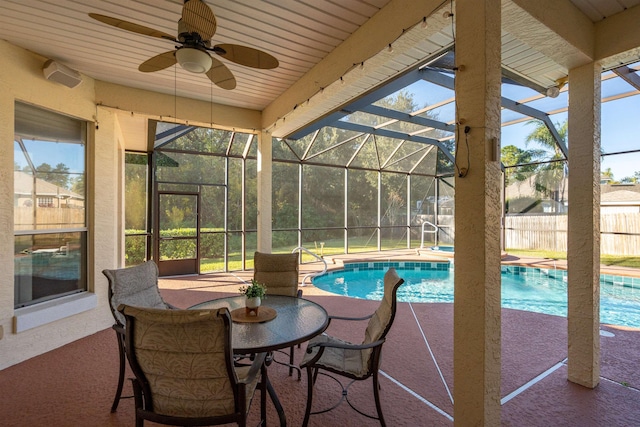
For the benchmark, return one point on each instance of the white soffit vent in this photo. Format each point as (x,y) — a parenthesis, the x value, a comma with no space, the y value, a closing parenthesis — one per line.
(59,73)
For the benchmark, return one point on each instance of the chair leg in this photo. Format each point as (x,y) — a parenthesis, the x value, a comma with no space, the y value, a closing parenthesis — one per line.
(376,395)
(290,364)
(291,361)
(310,384)
(138,398)
(263,395)
(116,400)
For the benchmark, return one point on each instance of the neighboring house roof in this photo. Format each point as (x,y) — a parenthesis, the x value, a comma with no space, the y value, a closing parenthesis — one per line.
(620,197)
(23,185)
(611,195)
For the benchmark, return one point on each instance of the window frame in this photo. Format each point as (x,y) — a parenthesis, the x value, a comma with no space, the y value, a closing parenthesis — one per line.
(51,130)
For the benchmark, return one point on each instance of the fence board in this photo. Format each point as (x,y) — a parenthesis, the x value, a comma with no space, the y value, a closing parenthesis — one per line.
(47,218)
(619,233)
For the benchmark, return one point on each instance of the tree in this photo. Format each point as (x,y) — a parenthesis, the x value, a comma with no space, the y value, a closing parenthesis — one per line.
(607,175)
(77,184)
(550,177)
(58,176)
(135,172)
(512,156)
(634,179)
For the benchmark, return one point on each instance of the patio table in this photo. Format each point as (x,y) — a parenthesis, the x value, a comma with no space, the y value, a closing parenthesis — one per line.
(297,320)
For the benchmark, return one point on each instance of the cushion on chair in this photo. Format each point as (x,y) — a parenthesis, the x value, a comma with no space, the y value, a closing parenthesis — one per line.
(278,271)
(137,286)
(380,322)
(354,362)
(183,356)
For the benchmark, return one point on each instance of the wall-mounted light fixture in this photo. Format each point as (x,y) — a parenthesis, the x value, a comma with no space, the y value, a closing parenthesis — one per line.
(194,60)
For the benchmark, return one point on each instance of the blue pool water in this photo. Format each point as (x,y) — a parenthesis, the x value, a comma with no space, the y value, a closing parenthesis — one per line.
(523,288)
(442,248)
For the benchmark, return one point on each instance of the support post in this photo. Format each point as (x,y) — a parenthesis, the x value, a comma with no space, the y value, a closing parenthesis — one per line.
(264,191)
(477,316)
(583,236)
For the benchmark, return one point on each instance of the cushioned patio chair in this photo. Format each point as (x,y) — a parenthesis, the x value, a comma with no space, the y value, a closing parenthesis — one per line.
(279,272)
(184,368)
(355,361)
(136,286)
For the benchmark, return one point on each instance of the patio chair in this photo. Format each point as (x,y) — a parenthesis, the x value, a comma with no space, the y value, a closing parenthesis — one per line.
(136,286)
(355,361)
(279,272)
(184,369)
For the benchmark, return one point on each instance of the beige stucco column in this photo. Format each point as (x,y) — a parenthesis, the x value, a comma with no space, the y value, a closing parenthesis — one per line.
(583,253)
(264,191)
(6,210)
(476,351)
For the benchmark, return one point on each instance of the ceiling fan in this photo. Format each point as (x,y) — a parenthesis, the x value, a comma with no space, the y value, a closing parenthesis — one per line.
(196,27)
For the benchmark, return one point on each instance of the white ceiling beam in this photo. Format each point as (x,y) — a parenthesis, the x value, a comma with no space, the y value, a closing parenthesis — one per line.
(556,28)
(617,38)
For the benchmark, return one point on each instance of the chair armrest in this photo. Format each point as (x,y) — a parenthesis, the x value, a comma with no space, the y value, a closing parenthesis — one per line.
(322,345)
(348,318)
(351,318)
(118,328)
(345,345)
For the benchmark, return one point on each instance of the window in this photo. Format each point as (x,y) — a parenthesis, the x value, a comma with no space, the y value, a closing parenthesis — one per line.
(49,206)
(136,186)
(45,202)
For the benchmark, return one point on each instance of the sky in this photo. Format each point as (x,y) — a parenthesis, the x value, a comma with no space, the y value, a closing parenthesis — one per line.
(620,122)
(72,155)
(620,127)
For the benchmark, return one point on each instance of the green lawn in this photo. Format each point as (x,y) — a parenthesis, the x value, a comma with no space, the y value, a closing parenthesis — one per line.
(621,261)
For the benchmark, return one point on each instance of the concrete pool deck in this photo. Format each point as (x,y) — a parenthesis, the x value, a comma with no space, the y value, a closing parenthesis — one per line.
(535,390)
(74,385)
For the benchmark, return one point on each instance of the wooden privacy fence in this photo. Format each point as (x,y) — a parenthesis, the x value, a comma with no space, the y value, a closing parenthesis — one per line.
(47,218)
(619,233)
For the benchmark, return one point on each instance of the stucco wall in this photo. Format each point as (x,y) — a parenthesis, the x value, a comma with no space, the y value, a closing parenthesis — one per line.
(21,79)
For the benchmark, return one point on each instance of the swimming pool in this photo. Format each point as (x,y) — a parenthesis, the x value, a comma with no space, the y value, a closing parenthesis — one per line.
(524,288)
(444,251)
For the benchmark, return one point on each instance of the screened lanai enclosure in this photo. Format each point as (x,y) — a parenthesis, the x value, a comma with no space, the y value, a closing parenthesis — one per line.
(376,174)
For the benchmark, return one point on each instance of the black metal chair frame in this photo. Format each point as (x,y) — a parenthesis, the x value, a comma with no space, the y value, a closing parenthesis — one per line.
(372,371)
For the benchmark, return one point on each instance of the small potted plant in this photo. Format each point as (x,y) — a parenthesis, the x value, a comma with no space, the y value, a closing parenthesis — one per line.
(254,294)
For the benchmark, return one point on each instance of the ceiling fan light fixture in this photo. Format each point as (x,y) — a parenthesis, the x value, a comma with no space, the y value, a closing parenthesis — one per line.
(194,60)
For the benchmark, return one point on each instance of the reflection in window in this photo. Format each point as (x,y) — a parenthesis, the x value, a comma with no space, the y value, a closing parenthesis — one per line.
(49,205)
(49,265)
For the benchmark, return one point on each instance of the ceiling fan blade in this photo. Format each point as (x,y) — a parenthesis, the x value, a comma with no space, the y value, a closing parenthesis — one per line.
(199,18)
(221,75)
(247,56)
(159,62)
(130,26)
